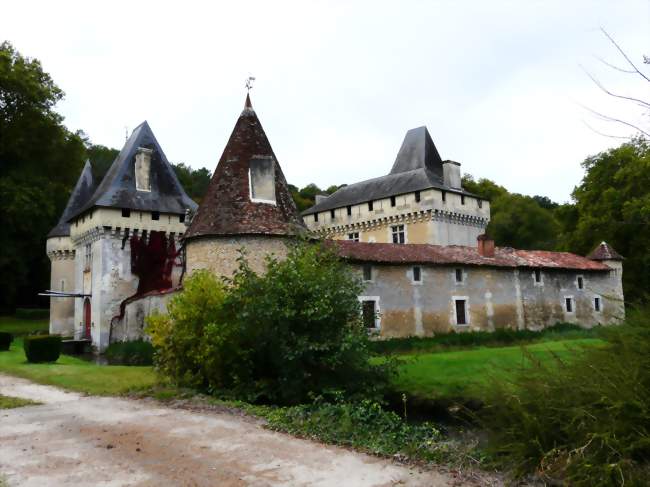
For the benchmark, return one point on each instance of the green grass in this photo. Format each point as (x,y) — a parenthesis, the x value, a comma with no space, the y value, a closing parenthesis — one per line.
(463,373)
(76,374)
(17,326)
(9,402)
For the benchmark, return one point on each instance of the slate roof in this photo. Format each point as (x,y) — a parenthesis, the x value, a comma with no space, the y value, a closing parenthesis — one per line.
(80,195)
(227,208)
(505,257)
(417,167)
(117,189)
(604,251)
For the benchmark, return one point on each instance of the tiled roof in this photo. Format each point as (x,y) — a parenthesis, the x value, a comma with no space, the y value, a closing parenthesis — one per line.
(227,208)
(386,253)
(604,252)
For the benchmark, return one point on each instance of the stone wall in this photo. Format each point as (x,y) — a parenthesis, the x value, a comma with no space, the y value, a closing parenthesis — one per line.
(62,278)
(219,254)
(496,298)
(131,327)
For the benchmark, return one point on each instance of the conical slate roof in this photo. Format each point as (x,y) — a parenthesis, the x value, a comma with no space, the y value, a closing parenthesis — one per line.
(604,251)
(80,195)
(118,190)
(418,152)
(228,207)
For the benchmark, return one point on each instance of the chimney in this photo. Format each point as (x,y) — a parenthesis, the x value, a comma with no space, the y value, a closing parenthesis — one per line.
(320,197)
(143,169)
(451,174)
(485,245)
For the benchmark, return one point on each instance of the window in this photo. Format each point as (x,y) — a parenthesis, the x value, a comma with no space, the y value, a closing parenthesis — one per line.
(333,214)
(417,274)
(392,201)
(581,282)
(538,276)
(181,218)
(369,313)
(398,233)
(354,236)
(155,215)
(349,208)
(367,272)
(315,217)
(444,196)
(568,304)
(597,304)
(126,213)
(369,205)
(417,196)
(459,275)
(261,175)
(461,311)
(462,199)
(480,203)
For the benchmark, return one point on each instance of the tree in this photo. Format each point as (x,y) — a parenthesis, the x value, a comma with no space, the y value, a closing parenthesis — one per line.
(40,161)
(194,181)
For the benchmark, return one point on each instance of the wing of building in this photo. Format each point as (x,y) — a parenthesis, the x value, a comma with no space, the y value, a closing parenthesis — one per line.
(421,200)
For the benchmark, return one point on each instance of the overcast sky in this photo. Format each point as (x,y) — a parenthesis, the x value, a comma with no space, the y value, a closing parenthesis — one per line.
(499,84)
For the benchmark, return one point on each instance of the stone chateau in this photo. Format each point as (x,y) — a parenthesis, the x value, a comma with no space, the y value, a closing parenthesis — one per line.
(126,240)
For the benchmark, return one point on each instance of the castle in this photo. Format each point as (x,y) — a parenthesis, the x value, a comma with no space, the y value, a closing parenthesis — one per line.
(416,238)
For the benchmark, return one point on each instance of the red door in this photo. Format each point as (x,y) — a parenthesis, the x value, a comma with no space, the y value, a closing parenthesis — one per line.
(87,318)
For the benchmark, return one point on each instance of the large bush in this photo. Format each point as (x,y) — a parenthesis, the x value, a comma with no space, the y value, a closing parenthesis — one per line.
(279,337)
(585,422)
(42,348)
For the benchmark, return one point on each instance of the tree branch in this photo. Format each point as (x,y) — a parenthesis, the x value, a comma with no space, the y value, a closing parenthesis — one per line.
(600,85)
(606,135)
(607,118)
(624,55)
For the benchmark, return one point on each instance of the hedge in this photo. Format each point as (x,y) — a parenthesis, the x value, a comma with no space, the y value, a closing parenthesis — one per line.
(42,348)
(5,340)
(135,352)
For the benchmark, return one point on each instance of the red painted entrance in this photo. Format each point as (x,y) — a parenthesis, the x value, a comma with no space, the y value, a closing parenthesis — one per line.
(87,318)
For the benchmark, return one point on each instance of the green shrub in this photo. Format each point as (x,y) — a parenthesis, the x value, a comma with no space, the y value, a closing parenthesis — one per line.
(134,352)
(498,338)
(32,313)
(42,348)
(274,338)
(584,422)
(5,340)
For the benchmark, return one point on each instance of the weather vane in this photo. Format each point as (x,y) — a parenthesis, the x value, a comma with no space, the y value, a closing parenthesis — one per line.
(249,83)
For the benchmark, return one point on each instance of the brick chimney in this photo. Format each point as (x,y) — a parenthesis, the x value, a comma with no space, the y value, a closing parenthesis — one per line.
(485,245)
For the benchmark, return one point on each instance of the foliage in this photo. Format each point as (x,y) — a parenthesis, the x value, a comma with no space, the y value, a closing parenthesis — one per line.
(134,352)
(42,348)
(194,181)
(9,402)
(306,197)
(499,337)
(77,374)
(582,422)
(613,204)
(363,425)
(32,313)
(18,327)
(5,340)
(101,158)
(275,338)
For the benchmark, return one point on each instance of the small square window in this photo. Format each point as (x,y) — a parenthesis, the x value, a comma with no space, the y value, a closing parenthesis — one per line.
(354,236)
(581,283)
(480,203)
(367,272)
(315,217)
(444,196)
(392,201)
(155,215)
(333,214)
(462,199)
(459,275)
(126,213)
(417,196)
(597,304)
(349,208)
(538,275)
(568,303)
(417,274)
(398,233)
(181,218)
(369,205)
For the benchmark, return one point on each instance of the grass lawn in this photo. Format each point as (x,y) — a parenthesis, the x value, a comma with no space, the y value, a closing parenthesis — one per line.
(8,402)
(76,374)
(462,373)
(17,326)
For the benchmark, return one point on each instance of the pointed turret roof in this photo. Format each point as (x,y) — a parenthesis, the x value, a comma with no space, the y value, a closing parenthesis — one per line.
(80,195)
(228,208)
(418,152)
(604,251)
(118,190)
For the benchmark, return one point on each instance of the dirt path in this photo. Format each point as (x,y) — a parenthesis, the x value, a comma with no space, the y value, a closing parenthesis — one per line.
(103,441)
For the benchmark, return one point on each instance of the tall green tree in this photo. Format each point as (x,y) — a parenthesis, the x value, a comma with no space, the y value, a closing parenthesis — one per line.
(39,163)
(194,181)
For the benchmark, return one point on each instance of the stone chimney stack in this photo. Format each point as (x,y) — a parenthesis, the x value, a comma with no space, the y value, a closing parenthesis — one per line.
(451,174)
(320,197)
(485,246)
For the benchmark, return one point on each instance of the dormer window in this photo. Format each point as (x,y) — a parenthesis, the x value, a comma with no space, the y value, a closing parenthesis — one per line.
(143,169)
(261,177)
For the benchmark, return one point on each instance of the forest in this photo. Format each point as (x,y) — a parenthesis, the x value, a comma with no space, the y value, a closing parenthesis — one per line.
(40,161)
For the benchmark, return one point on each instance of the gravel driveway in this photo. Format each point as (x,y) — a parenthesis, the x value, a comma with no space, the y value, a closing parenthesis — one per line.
(79,440)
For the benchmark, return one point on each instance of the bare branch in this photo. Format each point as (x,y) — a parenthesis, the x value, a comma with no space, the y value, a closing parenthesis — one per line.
(624,55)
(606,135)
(607,118)
(631,71)
(600,85)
